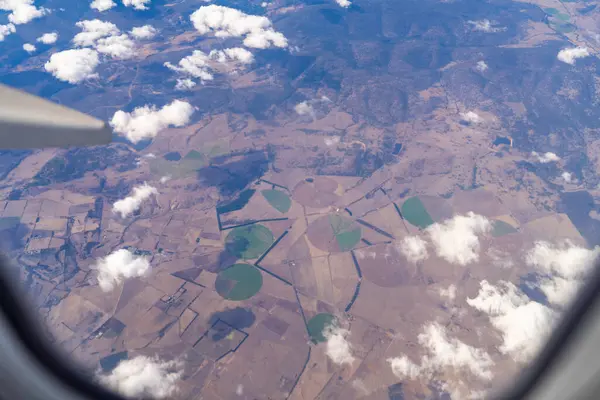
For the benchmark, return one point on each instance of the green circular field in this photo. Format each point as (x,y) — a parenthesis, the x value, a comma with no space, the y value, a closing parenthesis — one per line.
(501,228)
(317,325)
(414,212)
(249,242)
(278,200)
(238,282)
(346,231)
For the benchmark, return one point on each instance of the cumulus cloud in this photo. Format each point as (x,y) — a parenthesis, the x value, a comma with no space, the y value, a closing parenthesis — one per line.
(471,117)
(456,240)
(546,157)
(571,54)
(22,11)
(199,64)
(403,367)
(119,266)
(500,258)
(257,31)
(132,202)
(413,248)
(524,324)
(443,353)
(451,352)
(137,4)
(305,108)
(92,30)
(344,3)
(120,47)
(338,347)
(185,84)
(73,65)
(481,66)
(562,268)
(143,32)
(448,293)
(195,65)
(6,30)
(331,141)
(102,5)
(145,122)
(144,377)
(485,25)
(567,176)
(28,47)
(234,54)
(106,38)
(48,38)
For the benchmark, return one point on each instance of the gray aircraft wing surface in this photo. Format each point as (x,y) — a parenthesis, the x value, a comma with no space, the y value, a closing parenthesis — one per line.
(28,121)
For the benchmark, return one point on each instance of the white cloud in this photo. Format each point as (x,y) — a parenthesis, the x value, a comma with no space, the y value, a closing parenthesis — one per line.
(443,354)
(571,54)
(567,176)
(132,202)
(73,65)
(28,47)
(235,54)
(143,32)
(485,25)
(565,259)
(239,390)
(524,324)
(481,66)
(137,4)
(403,367)
(106,38)
(185,84)
(413,248)
(546,157)
(344,3)
(6,30)
(92,30)
(563,268)
(338,347)
(22,11)
(451,352)
(449,293)
(305,108)
(456,239)
(331,141)
(500,258)
(164,179)
(48,38)
(145,122)
(198,64)
(471,117)
(119,47)
(102,5)
(195,65)
(144,377)
(118,266)
(223,21)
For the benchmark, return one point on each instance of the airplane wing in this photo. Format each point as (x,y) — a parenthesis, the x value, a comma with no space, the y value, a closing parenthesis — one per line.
(28,121)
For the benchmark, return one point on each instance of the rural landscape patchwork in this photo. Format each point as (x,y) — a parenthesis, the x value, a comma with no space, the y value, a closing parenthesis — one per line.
(323,199)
